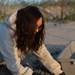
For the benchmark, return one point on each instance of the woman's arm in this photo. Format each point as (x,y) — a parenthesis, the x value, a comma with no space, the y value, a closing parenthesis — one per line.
(45,57)
(10,53)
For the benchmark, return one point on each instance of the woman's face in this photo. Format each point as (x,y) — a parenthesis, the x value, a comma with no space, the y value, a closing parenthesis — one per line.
(39,23)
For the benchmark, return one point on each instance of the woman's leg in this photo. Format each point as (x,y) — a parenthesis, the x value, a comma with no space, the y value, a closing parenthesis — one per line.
(35,73)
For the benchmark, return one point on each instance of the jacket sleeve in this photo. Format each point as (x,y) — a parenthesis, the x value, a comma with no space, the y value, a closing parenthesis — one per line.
(45,57)
(10,54)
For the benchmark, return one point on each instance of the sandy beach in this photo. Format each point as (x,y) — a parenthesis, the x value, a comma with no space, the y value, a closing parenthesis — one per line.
(57,37)
(60,34)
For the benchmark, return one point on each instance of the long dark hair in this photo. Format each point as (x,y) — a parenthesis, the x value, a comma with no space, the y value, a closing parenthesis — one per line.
(25,27)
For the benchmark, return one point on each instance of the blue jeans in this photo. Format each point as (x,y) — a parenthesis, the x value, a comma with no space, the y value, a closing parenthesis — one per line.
(34,73)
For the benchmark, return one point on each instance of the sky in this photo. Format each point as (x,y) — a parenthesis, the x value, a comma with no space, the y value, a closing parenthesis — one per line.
(30,0)
(36,0)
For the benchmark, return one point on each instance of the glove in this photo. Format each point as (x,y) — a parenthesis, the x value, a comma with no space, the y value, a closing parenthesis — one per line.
(35,73)
(62,73)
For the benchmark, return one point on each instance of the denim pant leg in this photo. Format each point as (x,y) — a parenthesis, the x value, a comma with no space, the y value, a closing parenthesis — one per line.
(34,73)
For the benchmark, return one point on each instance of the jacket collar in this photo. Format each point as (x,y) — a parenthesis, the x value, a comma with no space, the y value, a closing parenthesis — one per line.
(10,22)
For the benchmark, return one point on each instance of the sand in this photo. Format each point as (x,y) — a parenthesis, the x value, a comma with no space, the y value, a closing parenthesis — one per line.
(57,37)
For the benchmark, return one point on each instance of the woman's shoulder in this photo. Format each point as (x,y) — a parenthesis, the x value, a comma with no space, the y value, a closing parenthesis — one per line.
(3,29)
(1,26)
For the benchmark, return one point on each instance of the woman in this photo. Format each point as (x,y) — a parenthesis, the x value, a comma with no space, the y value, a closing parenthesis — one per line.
(21,33)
